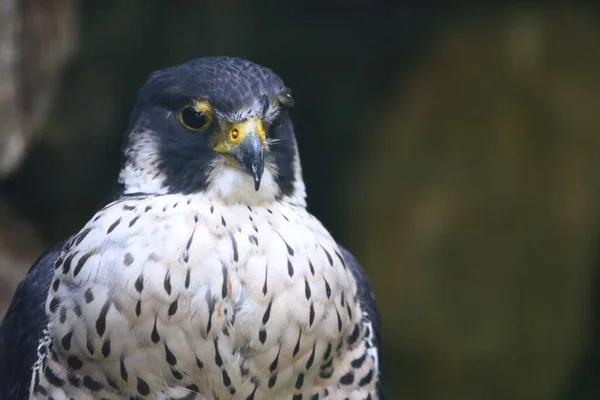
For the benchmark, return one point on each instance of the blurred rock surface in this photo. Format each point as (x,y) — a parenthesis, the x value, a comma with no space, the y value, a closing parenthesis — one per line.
(37,38)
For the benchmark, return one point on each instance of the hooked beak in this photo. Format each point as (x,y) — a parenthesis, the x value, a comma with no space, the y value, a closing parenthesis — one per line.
(245,143)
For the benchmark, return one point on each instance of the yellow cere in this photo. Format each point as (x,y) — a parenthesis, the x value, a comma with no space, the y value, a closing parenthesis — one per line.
(237,131)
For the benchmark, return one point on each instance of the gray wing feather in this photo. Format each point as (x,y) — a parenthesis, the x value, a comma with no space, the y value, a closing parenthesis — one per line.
(22,327)
(366,298)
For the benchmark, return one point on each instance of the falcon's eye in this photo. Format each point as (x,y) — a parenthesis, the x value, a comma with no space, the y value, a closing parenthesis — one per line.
(194,118)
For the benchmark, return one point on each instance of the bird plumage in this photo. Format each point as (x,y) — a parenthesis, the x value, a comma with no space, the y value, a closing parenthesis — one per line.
(21,329)
(195,282)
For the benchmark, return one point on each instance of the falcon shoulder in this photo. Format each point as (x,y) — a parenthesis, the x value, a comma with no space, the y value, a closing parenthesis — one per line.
(22,327)
(366,299)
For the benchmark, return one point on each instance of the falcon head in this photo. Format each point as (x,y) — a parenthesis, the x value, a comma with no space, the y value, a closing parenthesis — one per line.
(215,125)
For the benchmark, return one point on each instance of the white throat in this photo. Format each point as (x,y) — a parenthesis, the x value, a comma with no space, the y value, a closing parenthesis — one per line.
(233,186)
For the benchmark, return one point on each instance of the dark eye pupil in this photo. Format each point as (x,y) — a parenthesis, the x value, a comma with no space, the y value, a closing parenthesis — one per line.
(193,119)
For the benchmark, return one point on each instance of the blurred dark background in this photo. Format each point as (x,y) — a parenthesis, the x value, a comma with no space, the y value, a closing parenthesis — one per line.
(454,149)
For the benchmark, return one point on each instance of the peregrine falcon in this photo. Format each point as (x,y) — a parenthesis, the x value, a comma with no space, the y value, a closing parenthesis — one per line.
(204,276)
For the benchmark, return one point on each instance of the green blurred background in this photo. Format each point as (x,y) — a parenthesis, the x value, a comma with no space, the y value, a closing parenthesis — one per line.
(454,150)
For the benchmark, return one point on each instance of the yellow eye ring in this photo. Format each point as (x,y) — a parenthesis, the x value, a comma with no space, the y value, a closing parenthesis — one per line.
(196,117)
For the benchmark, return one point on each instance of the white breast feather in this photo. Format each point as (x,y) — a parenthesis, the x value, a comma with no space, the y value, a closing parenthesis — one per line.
(172,282)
